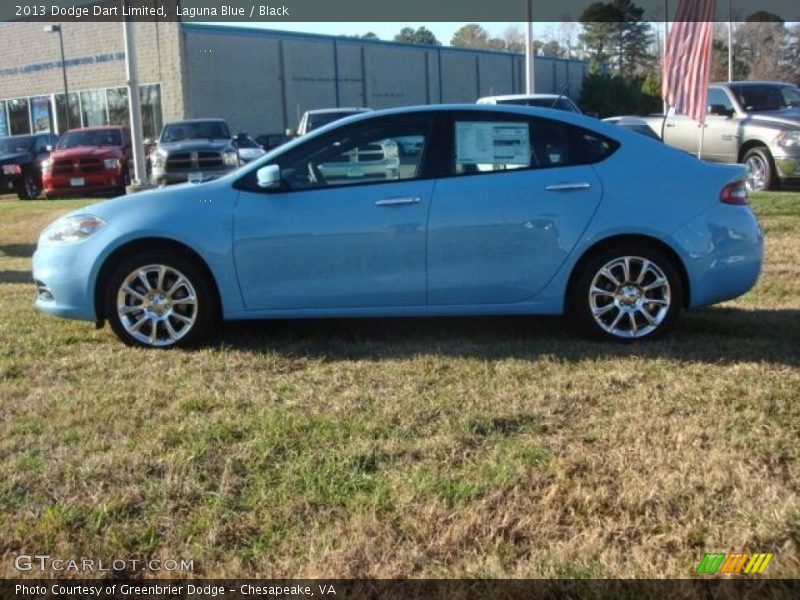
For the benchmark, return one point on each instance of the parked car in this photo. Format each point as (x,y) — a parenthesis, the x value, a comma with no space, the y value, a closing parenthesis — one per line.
(270,141)
(314,119)
(21,158)
(756,123)
(248,149)
(87,161)
(193,150)
(507,210)
(637,124)
(557,101)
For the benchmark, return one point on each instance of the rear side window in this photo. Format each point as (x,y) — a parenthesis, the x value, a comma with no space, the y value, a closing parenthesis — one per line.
(486,145)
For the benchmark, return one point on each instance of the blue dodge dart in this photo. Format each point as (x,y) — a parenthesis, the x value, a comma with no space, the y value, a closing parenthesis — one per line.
(435,210)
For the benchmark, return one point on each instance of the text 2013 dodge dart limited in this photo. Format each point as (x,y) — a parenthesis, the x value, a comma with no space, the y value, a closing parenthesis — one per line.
(498,210)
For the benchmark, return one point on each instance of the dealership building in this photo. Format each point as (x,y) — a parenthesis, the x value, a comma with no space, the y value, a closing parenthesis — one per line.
(259,80)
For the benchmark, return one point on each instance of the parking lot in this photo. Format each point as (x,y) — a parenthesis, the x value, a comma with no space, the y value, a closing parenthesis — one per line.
(480,447)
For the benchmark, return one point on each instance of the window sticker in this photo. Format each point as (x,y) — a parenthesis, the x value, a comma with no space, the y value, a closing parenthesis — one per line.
(493,142)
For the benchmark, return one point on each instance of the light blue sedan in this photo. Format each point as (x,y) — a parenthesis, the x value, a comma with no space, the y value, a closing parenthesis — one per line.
(496,210)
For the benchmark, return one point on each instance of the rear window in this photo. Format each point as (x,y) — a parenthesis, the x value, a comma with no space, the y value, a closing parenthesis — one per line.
(487,145)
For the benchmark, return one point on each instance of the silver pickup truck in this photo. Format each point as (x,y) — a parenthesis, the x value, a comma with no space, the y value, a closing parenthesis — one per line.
(756,123)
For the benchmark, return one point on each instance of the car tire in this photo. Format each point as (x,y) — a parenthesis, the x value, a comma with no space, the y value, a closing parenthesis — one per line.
(761,172)
(178,302)
(627,293)
(30,187)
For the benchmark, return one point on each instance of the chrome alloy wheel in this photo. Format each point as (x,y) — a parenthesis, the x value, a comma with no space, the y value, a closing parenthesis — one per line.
(157,305)
(629,297)
(756,173)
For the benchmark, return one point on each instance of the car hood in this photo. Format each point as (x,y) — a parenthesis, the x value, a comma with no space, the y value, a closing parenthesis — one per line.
(15,158)
(190,145)
(87,152)
(789,117)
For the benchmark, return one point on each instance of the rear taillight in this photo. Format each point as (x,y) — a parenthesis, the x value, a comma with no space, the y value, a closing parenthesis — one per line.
(734,193)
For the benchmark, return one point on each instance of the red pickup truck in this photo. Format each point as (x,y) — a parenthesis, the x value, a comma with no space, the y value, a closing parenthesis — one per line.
(89,160)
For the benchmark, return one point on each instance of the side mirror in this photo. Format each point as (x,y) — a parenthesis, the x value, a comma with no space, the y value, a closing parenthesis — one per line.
(48,148)
(720,110)
(290,133)
(148,142)
(269,177)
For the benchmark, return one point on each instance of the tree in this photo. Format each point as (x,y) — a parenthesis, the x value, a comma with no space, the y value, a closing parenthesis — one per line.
(370,36)
(615,34)
(422,35)
(514,38)
(471,35)
(764,47)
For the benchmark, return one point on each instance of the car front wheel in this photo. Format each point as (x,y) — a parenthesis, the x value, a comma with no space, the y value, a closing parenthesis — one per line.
(30,187)
(160,300)
(627,294)
(760,170)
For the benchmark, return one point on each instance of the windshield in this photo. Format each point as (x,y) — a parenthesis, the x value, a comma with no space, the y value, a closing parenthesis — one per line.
(560,103)
(757,98)
(93,137)
(202,130)
(316,120)
(20,143)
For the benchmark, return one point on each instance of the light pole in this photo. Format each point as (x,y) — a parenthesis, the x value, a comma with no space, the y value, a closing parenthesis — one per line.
(57,29)
(134,106)
(529,52)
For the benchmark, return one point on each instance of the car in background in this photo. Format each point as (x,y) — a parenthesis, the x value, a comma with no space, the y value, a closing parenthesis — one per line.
(557,101)
(507,210)
(637,124)
(314,119)
(194,150)
(270,141)
(248,148)
(89,161)
(21,158)
(756,123)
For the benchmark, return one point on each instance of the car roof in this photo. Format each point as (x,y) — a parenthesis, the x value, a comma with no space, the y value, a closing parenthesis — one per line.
(96,128)
(754,83)
(318,111)
(525,97)
(185,121)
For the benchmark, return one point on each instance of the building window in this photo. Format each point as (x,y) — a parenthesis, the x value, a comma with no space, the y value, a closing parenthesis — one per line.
(150,97)
(3,123)
(93,108)
(40,113)
(118,113)
(19,118)
(74,112)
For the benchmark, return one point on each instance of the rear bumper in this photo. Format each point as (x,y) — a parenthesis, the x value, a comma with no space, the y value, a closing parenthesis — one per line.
(723,250)
(92,182)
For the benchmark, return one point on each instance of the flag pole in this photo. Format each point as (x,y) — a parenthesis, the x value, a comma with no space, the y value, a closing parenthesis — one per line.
(664,49)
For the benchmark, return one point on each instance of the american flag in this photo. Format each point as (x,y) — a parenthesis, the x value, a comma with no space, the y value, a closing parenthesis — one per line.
(687,60)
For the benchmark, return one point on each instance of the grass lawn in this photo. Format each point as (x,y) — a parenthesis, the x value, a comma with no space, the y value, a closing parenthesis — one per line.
(392,448)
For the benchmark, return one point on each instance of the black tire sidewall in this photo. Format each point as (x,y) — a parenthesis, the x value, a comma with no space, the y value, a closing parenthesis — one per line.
(207,316)
(580,311)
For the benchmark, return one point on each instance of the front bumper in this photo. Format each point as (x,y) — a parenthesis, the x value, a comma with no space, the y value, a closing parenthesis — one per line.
(92,182)
(723,250)
(65,273)
(164,177)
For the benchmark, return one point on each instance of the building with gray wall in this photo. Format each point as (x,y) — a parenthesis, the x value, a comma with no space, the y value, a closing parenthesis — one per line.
(261,81)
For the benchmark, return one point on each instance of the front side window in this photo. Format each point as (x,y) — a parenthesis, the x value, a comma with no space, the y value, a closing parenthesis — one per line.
(486,145)
(376,151)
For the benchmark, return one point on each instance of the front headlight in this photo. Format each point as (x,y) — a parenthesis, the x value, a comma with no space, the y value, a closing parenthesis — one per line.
(112,164)
(71,229)
(230,158)
(158,159)
(788,139)
(46,165)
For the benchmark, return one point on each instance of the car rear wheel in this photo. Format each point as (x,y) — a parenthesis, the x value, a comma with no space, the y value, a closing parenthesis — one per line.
(160,300)
(627,293)
(30,187)
(760,170)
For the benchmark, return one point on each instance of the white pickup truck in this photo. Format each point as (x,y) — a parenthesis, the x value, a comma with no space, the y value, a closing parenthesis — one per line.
(756,123)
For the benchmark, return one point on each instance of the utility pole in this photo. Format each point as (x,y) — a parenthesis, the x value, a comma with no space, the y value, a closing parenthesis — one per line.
(730,40)
(135,108)
(530,83)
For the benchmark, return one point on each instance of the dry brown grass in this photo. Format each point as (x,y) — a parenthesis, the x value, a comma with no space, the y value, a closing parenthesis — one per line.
(396,448)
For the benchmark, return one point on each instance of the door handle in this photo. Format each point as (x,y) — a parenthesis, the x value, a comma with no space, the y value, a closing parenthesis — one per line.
(568,187)
(670,125)
(398,201)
